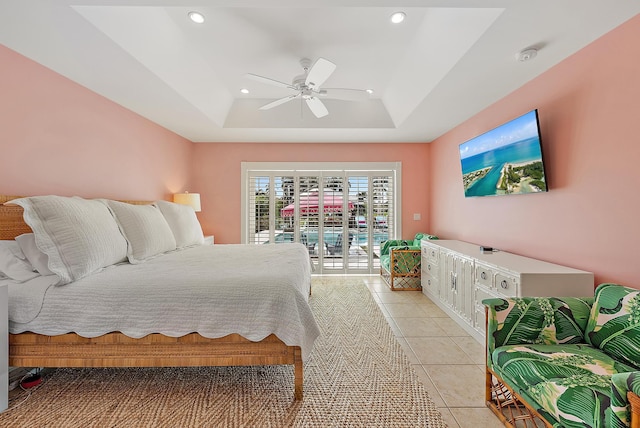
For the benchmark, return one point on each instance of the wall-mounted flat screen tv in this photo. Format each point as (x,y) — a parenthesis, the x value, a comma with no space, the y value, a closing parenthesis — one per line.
(506,160)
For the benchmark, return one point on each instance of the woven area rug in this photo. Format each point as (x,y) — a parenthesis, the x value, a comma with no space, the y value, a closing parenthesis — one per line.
(357,376)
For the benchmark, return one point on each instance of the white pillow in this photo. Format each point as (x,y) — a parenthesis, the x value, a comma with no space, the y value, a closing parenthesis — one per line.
(183,223)
(38,259)
(147,232)
(79,236)
(13,263)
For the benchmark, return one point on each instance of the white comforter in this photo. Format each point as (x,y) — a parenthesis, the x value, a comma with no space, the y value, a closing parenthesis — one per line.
(252,290)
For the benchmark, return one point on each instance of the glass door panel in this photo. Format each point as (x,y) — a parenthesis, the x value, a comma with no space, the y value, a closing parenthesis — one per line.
(259,212)
(382,214)
(309,214)
(335,210)
(358,257)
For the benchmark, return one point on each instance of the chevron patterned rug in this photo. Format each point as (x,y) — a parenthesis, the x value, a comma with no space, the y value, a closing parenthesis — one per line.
(357,376)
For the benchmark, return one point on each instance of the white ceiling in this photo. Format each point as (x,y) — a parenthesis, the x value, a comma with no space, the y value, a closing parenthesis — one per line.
(446,62)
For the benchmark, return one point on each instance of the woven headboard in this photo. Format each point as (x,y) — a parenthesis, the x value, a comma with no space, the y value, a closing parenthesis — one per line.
(12,223)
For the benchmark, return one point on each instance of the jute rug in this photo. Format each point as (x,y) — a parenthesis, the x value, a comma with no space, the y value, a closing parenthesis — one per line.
(357,376)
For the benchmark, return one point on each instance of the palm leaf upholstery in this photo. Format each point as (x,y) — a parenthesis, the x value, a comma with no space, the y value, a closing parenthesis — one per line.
(400,262)
(571,360)
(615,322)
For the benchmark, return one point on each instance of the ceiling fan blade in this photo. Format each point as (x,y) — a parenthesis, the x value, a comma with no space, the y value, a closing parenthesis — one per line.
(269,81)
(317,107)
(345,94)
(319,72)
(276,103)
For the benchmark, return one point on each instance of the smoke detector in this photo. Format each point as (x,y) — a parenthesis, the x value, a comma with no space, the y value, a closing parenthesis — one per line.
(527,54)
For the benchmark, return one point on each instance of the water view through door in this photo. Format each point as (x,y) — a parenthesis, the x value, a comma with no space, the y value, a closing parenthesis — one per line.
(340,216)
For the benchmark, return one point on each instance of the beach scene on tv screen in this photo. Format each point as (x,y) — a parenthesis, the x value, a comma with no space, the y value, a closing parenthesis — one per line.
(505,160)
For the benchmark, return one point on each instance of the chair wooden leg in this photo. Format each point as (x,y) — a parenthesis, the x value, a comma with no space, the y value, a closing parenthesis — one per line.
(508,406)
(634,402)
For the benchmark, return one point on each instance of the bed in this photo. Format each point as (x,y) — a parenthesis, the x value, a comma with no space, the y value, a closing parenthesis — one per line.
(269,283)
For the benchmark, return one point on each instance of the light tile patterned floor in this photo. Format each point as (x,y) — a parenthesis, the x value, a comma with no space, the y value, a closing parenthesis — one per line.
(449,362)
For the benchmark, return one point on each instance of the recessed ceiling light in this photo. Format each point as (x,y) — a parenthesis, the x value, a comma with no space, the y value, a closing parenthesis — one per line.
(398,17)
(244,90)
(369,91)
(196,17)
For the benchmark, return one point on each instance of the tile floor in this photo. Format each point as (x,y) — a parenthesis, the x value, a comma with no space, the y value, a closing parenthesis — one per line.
(449,362)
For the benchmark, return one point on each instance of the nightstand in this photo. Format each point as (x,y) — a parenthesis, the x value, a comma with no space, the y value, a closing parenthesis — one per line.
(4,348)
(208,240)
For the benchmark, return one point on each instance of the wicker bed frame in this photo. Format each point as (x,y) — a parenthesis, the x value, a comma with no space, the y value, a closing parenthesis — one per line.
(155,350)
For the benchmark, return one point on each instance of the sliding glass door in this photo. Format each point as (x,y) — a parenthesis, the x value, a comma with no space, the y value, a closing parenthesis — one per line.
(340,212)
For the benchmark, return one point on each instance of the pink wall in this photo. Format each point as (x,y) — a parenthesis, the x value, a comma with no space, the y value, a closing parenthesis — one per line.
(589,108)
(58,137)
(217,176)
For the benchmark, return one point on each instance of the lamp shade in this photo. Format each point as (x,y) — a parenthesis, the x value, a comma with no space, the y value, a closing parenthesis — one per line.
(186,198)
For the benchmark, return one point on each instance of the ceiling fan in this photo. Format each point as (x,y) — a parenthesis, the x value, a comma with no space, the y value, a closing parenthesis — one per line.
(308,87)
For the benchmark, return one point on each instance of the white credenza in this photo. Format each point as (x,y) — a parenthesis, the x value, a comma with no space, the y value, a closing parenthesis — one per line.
(457,276)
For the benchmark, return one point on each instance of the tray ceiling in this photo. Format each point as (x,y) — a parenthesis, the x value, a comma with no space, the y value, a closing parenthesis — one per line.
(447,61)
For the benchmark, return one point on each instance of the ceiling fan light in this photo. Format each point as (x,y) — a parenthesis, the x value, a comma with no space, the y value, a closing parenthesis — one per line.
(398,17)
(196,17)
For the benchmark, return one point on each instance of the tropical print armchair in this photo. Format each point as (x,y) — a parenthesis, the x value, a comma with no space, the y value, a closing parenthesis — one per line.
(400,262)
(570,362)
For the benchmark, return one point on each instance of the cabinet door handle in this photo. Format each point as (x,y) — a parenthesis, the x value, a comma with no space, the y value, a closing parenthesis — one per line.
(483,275)
(428,267)
(504,284)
